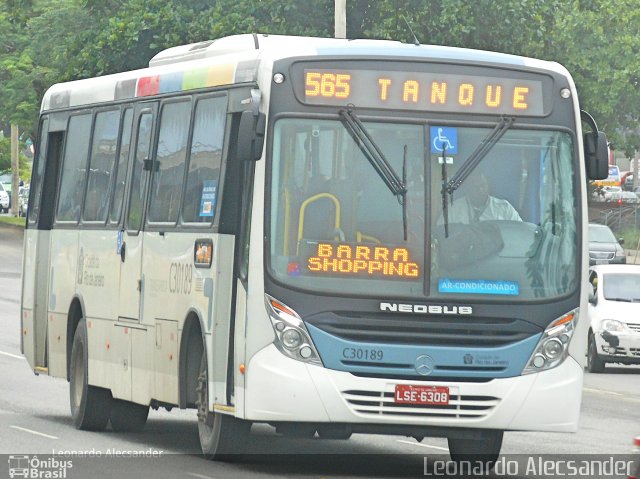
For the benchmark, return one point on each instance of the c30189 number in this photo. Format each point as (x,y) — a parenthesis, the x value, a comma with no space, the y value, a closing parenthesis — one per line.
(360,354)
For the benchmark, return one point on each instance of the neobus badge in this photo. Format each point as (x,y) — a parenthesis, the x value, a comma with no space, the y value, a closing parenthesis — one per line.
(426,309)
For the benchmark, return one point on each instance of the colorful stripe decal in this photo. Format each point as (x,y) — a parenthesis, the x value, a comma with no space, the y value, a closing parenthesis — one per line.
(187,80)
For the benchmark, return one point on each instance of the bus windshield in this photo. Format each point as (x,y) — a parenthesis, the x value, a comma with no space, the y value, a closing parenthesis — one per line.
(508,232)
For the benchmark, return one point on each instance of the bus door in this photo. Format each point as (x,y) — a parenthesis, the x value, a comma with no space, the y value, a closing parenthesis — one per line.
(36,253)
(131,242)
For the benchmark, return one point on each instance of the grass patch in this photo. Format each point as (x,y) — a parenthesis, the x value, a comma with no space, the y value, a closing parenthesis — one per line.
(631,237)
(13,220)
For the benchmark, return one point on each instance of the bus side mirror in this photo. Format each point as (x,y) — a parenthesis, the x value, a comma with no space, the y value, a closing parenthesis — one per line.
(251,135)
(593,299)
(596,155)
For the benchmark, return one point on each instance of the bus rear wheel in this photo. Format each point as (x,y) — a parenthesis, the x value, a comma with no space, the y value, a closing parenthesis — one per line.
(90,405)
(485,449)
(127,416)
(222,437)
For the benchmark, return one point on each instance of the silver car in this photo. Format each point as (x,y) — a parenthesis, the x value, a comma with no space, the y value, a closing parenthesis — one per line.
(604,248)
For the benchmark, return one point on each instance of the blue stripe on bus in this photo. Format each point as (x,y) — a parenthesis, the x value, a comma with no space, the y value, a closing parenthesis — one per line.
(400,359)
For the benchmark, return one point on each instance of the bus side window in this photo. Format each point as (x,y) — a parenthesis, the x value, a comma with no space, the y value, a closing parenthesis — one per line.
(74,168)
(205,157)
(103,155)
(121,169)
(167,179)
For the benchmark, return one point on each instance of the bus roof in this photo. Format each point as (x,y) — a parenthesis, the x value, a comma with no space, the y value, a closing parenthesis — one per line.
(235,59)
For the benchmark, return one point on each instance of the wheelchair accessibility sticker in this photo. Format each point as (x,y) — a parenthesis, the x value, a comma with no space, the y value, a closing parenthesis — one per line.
(444,139)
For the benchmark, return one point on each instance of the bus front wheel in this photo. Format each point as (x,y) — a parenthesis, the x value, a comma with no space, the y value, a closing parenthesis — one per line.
(486,449)
(90,405)
(222,437)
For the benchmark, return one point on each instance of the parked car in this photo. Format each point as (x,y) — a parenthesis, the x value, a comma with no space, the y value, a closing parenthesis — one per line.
(23,198)
(614,316)
(623,196)
(604,247)
(609,191)
(4,199)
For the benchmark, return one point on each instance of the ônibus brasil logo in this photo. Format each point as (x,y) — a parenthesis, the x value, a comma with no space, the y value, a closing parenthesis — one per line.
(35,468)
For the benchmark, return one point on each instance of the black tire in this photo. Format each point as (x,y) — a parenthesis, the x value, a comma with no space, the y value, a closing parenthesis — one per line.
(594,363)
(90,405)
(334,431)
(128,416)
(486,449)
(222,437)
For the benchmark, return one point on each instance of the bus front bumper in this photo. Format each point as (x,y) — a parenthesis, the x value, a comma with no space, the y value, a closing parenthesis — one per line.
(282,389)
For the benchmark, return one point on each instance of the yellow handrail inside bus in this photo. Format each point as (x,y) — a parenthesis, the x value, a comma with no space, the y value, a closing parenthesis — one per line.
(313,199)
(360,237)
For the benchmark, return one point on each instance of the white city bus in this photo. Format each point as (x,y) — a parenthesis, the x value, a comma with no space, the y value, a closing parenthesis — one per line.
(283,230)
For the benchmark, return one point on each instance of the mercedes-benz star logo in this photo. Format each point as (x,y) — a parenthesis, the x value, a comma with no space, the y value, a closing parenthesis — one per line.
(424,365)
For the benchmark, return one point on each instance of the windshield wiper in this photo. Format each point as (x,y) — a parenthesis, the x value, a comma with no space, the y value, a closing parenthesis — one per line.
(373,153)
(478,154)
(622,300)
(449,186)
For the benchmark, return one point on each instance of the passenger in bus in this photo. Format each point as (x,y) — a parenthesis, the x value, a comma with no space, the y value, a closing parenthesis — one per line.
(478,205)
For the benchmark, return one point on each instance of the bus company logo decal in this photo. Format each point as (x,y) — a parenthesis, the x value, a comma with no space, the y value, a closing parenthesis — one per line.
(426,309)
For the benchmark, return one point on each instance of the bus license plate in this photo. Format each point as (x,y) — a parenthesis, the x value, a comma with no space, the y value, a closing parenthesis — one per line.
(424,395)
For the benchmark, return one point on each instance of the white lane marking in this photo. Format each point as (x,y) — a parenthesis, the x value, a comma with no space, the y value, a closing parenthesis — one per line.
(11,355)
(200,476)
(30,431)
(602,391)
(424,445)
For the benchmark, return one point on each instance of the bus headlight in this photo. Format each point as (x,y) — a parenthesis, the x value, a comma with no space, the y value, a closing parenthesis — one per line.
(553,347)
(292,337)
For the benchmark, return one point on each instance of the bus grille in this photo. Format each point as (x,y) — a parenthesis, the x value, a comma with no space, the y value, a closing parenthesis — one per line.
(427,330)
(376,403)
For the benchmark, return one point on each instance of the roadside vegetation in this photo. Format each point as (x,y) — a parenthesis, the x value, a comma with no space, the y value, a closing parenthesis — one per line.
(11,220)
(596,40)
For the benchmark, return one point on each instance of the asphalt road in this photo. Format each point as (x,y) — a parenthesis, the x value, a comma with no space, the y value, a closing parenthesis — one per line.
(35,420)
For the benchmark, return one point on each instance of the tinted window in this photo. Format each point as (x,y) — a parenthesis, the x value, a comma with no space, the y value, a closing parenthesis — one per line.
(205,157)
(74,168)
(121,174)
(168,175)
(143,144)
(103,155)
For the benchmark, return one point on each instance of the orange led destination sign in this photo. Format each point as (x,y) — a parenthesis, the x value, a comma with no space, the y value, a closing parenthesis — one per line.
(423,91)
(360,260)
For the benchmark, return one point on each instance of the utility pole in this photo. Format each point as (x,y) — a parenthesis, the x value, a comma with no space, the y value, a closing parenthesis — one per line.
(15,167)
(340,24)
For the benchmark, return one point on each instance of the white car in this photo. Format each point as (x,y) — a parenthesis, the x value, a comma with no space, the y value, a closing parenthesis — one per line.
(623,197)
(614,315)
(4,199)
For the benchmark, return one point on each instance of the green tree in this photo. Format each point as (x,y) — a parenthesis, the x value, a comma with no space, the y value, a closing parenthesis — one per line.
(595,39)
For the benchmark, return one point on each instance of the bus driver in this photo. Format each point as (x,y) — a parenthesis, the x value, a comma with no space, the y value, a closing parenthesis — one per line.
(479,205)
